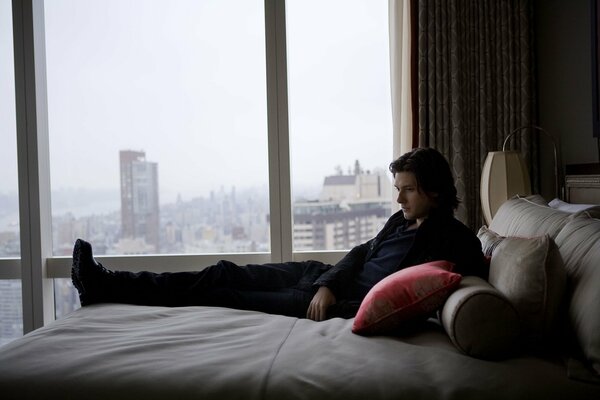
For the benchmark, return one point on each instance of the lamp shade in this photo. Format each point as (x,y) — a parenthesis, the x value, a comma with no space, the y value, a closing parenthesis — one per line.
(504,175)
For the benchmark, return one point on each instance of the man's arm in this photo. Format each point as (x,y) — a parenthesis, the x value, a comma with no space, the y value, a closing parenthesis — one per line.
(345,269)
(330,282)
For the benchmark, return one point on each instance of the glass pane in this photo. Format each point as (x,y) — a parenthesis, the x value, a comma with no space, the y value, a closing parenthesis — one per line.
(9,196)
(158,125)
(66,298)
(340,121)
(11,308)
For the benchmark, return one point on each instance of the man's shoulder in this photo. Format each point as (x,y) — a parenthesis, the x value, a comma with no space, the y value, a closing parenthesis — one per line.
(451,223)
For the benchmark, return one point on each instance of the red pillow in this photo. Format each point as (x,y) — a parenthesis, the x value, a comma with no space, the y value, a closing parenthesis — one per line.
(406,294)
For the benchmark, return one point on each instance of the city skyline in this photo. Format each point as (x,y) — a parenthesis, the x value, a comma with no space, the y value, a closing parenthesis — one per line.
(369,186)
(81,201)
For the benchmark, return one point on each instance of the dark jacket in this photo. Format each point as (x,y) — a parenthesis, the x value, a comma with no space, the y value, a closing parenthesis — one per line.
(439,237)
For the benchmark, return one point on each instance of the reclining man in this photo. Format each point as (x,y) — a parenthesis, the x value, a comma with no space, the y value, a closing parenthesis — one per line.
(423,230)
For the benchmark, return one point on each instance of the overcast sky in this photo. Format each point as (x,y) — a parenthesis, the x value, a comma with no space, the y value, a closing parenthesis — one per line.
(185,82)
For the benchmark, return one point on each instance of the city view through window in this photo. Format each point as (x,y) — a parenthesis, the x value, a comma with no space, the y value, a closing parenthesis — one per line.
(348,208)
(157,116)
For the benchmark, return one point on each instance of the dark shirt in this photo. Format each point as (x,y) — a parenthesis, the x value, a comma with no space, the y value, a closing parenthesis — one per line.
(439,237)
(384,262)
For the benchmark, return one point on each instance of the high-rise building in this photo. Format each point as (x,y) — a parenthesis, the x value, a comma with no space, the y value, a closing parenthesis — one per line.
(11,310)
(351,209)
(139,198)
(338,226)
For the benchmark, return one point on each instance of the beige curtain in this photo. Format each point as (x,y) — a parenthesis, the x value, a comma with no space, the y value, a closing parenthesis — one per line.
(400,58)
(475,76)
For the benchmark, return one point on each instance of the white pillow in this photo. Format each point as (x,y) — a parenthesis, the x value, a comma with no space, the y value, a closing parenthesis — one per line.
(558,204)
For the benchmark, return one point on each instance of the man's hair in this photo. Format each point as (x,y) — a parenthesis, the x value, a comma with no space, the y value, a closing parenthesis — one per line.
(433,175)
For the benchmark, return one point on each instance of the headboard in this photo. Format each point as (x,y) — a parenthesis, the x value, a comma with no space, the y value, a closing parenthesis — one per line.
(582,183)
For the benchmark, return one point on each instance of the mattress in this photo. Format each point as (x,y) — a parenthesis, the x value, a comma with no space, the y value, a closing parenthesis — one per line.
(113,351)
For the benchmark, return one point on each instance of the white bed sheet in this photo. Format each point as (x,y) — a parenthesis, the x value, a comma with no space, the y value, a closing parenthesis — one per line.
(132,352)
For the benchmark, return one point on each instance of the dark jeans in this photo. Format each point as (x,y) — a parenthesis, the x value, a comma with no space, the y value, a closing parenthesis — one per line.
(285,288)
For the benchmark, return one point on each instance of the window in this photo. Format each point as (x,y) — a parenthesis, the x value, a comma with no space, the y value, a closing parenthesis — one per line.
(340,121)
(11,315)
(158,125)
(168,134)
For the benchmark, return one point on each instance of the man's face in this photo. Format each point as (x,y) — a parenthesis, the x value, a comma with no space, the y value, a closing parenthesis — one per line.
(415,203)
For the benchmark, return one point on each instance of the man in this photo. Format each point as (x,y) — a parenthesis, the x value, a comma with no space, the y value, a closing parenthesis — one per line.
(424,230)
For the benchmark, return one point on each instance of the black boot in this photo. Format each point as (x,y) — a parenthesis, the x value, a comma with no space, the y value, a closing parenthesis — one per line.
(87,274)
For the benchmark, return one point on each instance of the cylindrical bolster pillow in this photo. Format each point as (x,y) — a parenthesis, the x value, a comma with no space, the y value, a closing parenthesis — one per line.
(480,321)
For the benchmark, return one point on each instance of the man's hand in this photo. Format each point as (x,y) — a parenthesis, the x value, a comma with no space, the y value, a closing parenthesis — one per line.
(317,310)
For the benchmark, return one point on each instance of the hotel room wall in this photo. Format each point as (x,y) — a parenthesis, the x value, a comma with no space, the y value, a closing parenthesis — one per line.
(563,36)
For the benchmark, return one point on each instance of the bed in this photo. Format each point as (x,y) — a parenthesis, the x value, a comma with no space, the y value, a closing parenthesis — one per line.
(113,351)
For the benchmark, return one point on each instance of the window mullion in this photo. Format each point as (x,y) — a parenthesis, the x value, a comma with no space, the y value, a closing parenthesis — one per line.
(279,154)
(33,162)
